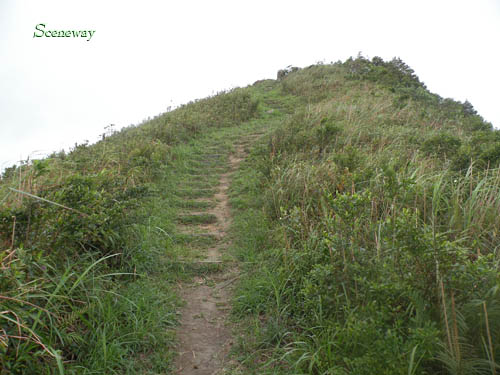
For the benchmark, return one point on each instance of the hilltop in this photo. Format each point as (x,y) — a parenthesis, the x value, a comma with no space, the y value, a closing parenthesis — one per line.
(365,230)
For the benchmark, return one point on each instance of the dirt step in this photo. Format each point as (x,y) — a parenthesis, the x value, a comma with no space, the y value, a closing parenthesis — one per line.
(205,239)
(205,171)
(199,177)
(210,156)
(200,184)
(195,193)
(215,149)
(194,204)
(204,163)
(197,218)
(198,171)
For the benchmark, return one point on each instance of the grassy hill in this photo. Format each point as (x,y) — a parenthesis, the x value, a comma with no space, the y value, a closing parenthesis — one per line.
(86,283)
(366,227)
(373,218)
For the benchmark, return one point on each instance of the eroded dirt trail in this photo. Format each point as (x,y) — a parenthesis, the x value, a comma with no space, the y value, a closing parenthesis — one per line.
(204,337)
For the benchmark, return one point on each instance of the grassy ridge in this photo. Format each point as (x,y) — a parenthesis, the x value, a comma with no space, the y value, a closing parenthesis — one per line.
(369,221)
(84,287)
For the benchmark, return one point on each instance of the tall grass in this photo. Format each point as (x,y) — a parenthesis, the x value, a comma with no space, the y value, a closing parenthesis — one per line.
(383,213)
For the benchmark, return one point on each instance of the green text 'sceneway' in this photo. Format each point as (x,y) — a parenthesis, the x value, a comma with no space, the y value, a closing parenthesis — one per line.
(40,32)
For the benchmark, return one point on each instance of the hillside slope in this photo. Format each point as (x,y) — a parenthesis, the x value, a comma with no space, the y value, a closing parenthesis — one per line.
(369,226)
(366,228)
(88,245)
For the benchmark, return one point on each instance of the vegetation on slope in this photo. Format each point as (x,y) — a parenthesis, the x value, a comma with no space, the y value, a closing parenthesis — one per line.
(83,285)
(369,225)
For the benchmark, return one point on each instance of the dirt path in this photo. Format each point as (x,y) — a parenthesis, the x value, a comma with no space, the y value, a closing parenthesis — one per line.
(204,337)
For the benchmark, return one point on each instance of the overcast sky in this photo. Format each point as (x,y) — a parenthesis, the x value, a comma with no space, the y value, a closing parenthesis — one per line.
(148,55)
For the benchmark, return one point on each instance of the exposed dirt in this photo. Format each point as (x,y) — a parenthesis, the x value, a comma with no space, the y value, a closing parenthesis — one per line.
(204,336)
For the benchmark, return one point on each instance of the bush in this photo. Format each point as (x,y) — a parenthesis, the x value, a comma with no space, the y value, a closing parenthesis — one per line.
(442,145)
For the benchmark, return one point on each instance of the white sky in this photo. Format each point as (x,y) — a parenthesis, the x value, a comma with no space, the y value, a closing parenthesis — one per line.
(148,55)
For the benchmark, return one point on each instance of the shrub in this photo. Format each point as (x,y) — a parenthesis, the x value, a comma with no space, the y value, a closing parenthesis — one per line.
(442,145)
